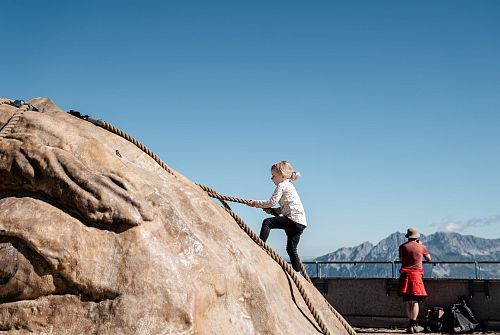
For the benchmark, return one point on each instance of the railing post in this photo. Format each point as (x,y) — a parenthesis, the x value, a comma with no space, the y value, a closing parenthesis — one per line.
(475,267)
(317,269)
(393,268)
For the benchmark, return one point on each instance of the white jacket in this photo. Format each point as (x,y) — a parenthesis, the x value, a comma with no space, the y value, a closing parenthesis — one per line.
(289,201)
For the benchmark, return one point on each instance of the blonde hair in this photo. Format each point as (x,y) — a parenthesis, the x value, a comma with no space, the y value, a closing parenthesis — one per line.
(286,170)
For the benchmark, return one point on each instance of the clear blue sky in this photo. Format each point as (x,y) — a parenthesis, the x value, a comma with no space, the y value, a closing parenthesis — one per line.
(389,109)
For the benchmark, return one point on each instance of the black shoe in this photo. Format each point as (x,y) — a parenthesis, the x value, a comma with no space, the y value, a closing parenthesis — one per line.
(414,328)
(409,328)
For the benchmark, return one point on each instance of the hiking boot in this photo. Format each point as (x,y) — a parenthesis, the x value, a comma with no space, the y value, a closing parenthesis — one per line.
(410,328)
(417,329)
(414,329)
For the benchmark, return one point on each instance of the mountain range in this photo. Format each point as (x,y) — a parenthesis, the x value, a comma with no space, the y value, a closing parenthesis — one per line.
(441,246)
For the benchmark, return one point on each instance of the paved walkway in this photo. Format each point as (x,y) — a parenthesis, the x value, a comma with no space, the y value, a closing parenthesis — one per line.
(382,331)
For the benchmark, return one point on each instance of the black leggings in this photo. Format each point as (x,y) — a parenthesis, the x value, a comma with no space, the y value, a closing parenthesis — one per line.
(293,231)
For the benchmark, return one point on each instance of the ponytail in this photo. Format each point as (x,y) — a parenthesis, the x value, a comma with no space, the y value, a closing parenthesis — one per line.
(295,175)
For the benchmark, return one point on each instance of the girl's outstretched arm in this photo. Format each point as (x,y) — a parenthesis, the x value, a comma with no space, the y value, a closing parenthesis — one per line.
(278,192)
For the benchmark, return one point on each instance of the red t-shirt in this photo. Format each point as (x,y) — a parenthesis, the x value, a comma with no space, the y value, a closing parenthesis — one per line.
(411,254)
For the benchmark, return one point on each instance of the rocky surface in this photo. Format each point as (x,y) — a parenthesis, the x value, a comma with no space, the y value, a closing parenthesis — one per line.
(96,238)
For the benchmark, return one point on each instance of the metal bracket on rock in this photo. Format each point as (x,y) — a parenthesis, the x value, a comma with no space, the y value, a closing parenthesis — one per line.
(20,103)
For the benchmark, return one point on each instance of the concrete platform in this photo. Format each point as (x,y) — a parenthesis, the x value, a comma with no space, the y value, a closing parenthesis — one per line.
(382,331)
(373,303)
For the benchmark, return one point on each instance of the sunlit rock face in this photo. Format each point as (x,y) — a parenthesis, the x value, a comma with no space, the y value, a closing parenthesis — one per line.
(96,238)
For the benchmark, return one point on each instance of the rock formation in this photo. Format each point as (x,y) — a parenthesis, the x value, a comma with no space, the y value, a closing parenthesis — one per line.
(97,238)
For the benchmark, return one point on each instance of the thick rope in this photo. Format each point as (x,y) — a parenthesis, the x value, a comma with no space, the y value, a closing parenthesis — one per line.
(272,253)
(247,229)
(295,277)
(9,126)
(214,194)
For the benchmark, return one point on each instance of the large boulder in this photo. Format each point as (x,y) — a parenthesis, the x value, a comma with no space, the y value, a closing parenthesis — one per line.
(97,238)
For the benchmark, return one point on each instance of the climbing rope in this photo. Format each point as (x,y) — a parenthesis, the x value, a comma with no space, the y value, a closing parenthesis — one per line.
(23,107)
(212,193)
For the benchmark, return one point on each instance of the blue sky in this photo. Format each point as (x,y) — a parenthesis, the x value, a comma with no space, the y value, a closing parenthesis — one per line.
(389,109)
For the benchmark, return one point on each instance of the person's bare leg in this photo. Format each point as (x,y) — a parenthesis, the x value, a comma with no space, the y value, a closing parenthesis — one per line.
(413,310)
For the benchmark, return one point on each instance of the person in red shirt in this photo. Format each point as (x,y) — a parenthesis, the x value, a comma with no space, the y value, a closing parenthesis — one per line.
(411,254)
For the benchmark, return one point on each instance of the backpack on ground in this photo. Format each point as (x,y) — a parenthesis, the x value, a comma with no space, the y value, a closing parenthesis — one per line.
(461,319)
(434,320)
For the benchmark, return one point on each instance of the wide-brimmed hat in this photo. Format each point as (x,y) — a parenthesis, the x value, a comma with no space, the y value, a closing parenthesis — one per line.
(412,233)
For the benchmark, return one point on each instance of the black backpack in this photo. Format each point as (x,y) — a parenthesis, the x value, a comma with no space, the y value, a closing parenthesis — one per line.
(434,320)
(461,320)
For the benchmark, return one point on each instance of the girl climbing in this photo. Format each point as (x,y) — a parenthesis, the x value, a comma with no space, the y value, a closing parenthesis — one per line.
(290,216)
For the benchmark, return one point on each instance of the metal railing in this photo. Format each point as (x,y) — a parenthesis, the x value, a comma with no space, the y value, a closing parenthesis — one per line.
(395,265)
